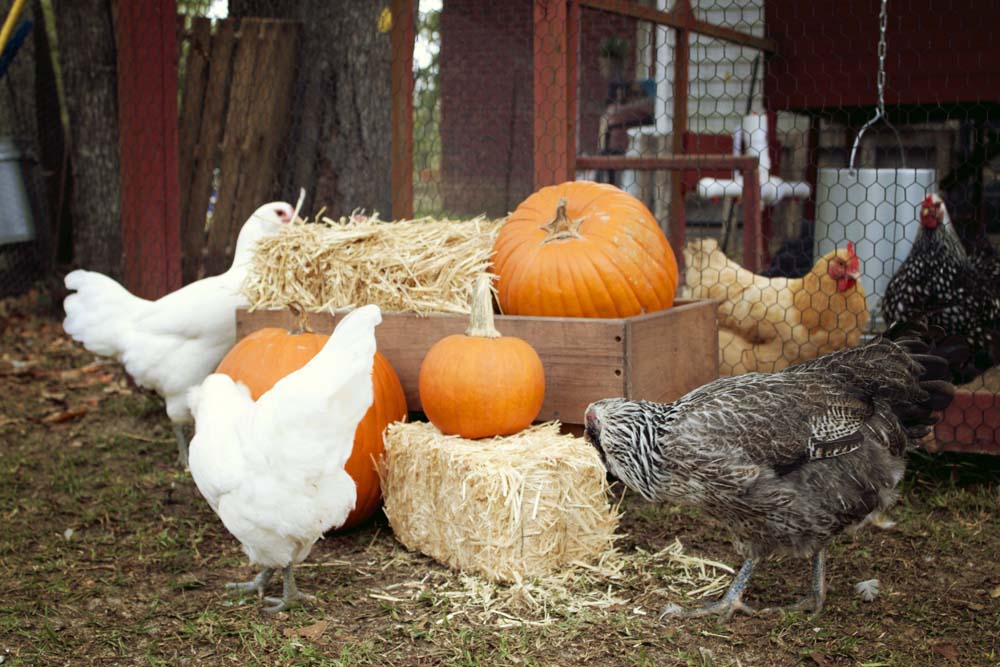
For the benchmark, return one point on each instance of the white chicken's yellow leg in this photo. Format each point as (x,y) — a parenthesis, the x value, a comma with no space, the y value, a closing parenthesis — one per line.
(257,586)
(291,596)
(814,601)
(729,603)
(182,446)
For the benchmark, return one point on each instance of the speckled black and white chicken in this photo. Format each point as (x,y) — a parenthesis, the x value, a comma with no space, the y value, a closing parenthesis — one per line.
(954,291)
(787,460)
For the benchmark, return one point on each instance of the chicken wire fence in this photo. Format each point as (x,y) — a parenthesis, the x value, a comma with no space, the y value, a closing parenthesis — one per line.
(271,96)
(855,113)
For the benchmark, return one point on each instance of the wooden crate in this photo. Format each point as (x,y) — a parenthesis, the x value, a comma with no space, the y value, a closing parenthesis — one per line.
(655,357)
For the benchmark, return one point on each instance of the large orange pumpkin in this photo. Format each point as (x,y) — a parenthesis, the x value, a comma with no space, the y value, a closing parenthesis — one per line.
(481,384)
(267,355)
(583,249)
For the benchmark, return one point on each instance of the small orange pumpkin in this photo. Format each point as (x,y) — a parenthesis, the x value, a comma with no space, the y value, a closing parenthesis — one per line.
(583,249)
(267,355)
(481,384)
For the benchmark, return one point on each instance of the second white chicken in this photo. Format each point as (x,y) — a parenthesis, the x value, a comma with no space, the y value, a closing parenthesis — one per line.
(169,345)
(273,470)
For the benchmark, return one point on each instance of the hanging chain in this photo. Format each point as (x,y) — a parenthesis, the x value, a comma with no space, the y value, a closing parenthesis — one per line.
(880,81)
(880,84)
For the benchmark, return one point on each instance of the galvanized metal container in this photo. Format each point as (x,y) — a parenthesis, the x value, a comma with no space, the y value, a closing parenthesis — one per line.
(16,222)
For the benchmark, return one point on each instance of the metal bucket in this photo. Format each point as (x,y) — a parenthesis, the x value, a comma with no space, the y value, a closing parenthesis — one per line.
(877,209)
(16,222)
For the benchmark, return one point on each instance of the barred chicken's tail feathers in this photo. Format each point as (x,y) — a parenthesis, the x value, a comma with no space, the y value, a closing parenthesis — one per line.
(937,358)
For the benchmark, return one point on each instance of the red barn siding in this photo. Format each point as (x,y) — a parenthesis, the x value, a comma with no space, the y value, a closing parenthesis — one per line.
(938,52)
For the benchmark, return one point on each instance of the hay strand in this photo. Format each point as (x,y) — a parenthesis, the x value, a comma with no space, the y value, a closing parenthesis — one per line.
(421,266)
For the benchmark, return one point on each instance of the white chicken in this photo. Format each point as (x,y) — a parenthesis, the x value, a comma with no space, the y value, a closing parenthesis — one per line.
(274,470)
(169,345)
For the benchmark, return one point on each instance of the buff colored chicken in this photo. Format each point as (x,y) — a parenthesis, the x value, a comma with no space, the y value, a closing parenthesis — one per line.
(767,324)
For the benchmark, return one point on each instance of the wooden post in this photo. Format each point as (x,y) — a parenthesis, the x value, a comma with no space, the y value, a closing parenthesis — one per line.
(551,149)
(403,28)
(147,120)
(682,58)
(753,244)
(812,168)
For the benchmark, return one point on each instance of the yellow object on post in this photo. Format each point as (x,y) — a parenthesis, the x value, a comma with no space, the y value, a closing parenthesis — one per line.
(8,24)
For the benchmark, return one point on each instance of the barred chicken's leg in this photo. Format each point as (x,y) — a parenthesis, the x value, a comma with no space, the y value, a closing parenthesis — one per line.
(291,597)
(257,585)
(814,601)
(731,602)
(182,446)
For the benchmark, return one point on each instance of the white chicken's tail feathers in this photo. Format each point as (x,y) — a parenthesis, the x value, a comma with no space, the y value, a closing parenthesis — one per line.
(98,311)
(341,371)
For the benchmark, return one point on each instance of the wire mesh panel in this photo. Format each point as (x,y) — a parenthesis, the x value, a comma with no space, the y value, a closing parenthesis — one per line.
(854,124)
(787,149)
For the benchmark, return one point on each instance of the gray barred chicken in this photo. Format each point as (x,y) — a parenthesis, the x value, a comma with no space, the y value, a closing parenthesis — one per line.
(785,460)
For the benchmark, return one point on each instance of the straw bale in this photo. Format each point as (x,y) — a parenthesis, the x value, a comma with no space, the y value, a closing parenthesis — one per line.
(508,507)
(420,266)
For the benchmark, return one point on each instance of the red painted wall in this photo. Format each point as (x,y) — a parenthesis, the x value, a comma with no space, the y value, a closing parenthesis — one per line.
(939,51)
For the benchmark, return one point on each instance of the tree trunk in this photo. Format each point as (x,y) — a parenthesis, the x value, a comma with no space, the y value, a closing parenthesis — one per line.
(341,141)
(87,53)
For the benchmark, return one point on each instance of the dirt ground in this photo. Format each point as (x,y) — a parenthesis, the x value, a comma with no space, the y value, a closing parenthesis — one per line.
(109,556)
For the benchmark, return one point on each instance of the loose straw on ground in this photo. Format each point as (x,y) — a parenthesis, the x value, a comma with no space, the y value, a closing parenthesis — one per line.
(638,583)
(421,266)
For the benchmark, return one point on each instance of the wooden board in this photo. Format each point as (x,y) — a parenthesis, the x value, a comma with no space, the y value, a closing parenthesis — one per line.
(971,424)
(666,362)
(659,356)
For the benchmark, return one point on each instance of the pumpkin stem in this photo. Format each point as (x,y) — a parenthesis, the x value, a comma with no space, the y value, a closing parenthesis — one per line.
(301,319)
(481,312)
(562,226)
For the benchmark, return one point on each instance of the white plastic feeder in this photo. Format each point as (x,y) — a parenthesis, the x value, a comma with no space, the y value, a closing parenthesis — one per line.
(753,133)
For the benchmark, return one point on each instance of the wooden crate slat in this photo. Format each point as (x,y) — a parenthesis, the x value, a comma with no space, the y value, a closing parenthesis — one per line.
(664,363)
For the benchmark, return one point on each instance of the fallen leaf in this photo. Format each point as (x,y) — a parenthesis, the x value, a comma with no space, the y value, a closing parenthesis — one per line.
(946,651)
(64,416)
(13,420)
(995,593)
(57,396)
(95,366)
(819,659)
(309,632)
